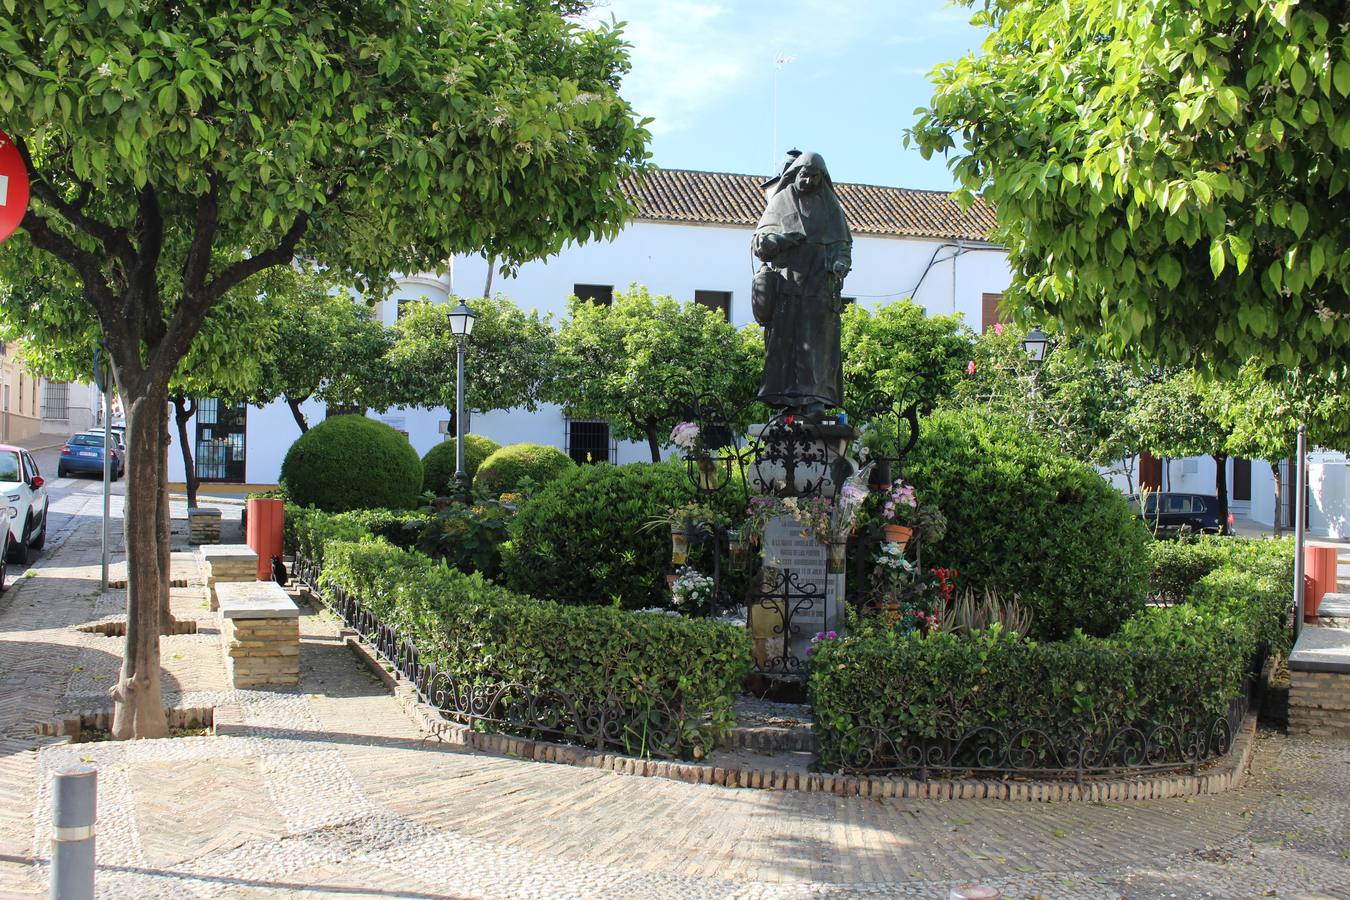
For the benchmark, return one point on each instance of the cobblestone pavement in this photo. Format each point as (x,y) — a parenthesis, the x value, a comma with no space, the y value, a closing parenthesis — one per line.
(330,790)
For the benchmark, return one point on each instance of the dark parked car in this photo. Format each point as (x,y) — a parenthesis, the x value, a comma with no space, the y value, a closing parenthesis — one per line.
(83,454)
(1179,512)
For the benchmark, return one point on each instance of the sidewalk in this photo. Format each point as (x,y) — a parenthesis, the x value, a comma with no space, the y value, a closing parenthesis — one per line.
(330,789)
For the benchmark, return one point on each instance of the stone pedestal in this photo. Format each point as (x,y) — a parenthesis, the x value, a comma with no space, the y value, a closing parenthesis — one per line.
(1319,682)
(203,526)
(801,594)
(260,628)
(228,563)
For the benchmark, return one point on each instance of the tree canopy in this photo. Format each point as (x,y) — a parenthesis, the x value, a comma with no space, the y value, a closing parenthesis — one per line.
(1170,176)
(176,150)
(508,360)
(644,360)
(902,351)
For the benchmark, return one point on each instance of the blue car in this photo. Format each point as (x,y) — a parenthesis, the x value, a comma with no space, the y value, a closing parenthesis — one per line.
(83,454)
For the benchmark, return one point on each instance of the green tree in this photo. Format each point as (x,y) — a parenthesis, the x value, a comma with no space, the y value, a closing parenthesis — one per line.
(902,351)
(325,345)
(508,359)
(1171,176)
(177,150)
(1178,414)
(1262,414)
(1081,403)
(642,361)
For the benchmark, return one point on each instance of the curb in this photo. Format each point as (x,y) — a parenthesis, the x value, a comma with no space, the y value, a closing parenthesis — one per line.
(1225,775)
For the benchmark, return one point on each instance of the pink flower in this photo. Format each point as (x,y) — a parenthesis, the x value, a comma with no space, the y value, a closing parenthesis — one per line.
(970,368)
(998,328)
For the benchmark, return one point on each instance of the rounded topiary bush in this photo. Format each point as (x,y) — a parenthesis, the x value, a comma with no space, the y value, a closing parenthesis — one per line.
(352,462)
(582,539)
(438,466)
(504,469)
(1026,521)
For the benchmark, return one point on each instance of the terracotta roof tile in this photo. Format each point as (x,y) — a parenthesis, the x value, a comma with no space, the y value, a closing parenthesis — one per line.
(721,198)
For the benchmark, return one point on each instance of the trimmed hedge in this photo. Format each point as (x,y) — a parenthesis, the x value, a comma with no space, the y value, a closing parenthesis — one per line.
(352,462)
(480,633)
(1181,666)
(438,466)
(1179,564)
(1030,523)
(504,470)
(308,529)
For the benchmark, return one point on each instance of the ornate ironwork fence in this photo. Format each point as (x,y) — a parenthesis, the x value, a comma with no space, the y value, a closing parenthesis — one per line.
(653,728)
(1033,753)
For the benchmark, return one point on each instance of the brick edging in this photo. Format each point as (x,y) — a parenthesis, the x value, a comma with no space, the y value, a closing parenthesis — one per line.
(1225,775)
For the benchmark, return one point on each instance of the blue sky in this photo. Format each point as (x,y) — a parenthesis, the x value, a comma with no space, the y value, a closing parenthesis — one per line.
(704,70)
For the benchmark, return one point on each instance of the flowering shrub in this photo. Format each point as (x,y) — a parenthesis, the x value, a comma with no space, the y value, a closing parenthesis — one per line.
(818,638)
(469,538)
(692,592)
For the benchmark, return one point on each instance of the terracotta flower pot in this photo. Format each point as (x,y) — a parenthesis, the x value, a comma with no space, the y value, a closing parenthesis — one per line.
(898,534)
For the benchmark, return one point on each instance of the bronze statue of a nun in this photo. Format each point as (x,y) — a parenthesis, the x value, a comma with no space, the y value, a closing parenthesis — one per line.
(804,242)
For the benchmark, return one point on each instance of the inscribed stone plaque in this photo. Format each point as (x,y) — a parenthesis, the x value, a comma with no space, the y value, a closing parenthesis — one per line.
(796,584)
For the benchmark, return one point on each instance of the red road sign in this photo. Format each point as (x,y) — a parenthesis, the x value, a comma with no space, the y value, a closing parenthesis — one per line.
(13,187)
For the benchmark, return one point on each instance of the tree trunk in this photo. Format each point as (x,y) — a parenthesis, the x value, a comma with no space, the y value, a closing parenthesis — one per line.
(295,411)
(1221,491)
(183,410)
(1278,523)
(138,709)
(654,441)
(1128,469)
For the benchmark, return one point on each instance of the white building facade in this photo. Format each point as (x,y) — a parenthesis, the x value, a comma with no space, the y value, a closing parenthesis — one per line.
(691,240)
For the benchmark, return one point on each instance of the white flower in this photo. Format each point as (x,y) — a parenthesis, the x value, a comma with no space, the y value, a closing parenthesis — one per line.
(105,70)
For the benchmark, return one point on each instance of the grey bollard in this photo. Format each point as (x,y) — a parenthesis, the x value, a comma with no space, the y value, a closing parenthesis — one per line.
(74,802)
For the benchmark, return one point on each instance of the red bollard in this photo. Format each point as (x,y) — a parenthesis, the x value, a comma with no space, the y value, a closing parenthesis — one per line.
(266,517)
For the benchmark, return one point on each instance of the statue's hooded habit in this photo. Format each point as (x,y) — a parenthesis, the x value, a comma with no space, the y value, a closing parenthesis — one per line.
(804,240)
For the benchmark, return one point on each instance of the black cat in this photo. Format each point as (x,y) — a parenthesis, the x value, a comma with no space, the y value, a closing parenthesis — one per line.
(279,571)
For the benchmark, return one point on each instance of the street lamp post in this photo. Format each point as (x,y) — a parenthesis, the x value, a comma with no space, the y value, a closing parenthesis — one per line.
(461,326)
(1035,344)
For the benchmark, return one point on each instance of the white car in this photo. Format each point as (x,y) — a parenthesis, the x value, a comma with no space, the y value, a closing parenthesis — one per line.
(25,492)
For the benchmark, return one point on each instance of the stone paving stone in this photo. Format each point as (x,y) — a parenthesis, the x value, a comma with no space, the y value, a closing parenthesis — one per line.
(329,788)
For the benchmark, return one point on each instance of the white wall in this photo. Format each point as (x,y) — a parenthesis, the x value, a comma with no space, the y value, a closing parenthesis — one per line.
(667,259)
(680,259)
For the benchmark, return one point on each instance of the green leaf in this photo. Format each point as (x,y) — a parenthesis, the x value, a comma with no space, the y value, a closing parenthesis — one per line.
(1298,218)
(1169,270)
(1341,77)
(1217,259)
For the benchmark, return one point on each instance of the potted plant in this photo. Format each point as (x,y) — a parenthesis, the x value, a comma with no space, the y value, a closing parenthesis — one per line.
(899,513)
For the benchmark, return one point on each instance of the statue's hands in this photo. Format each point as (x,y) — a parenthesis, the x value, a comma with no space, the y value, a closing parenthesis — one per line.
(840,268)
(767,246)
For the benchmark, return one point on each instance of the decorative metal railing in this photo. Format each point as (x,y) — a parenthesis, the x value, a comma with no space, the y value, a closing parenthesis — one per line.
(655,727)
(1033,753)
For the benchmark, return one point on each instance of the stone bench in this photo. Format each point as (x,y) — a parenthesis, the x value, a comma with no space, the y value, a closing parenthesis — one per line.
(1319,682)
(260,628)
(226,563)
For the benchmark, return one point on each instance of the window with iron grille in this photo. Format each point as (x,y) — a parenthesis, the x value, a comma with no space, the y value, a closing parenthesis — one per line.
(221,429)
(56,400)
(589,441)
(602,294)
(719,300)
